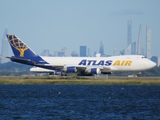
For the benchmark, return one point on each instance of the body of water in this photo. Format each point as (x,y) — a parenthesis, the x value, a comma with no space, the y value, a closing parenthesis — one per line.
(79,102)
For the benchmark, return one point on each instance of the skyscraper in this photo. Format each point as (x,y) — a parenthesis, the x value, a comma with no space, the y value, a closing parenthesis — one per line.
(155,59)
(83,51)
(64,50)
(45,53)
(88,53)
(115,52)
(5,47)
(74,54)
(133,48)
(127,50)
(148,42)
(143,51)
(129,32)
(139,41)
(101,48)
(158,61)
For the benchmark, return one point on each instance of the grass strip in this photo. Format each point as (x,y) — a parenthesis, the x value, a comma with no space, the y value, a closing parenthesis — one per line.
(49,80)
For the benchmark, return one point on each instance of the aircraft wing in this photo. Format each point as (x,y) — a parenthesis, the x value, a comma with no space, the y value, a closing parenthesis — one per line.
(78,67)
(107,67)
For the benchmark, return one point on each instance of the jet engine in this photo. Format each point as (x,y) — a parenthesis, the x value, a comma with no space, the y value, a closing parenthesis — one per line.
(69,69)
(93,70)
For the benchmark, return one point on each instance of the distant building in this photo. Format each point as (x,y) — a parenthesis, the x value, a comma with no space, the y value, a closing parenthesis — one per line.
(130,49)
(121,52)
(127,50)
(94,54)
(101,48)
(129,32)
(133,48)
(143,51)
(139,41)
(148,42)
(5,47)
(115,52)
(59,54)
(155,59)
(158,61)
(55,53)
(89,53)
(74,54)
(45,53)
(64,50)
(83,51)
(62,53)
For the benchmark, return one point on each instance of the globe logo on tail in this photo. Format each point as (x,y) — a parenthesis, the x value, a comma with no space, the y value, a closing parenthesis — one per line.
(17,44)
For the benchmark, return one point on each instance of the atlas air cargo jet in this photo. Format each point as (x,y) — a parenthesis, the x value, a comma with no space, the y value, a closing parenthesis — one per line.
(89,65)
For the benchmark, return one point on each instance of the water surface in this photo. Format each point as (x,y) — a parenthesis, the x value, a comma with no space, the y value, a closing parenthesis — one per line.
(79,102)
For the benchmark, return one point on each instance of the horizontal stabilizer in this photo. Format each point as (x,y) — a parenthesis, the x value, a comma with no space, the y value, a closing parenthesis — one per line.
(20,60)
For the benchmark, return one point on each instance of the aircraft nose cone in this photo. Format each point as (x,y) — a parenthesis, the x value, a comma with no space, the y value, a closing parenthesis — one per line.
(151,64)
(154,64)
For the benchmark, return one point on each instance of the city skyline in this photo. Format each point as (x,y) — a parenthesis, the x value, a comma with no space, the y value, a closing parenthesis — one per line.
(74,23)
(129,50)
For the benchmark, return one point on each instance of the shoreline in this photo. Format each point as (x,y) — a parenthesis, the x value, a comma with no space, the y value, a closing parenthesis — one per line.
(80,80)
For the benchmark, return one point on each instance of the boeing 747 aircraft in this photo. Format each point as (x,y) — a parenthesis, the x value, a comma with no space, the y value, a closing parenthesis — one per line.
(88,65)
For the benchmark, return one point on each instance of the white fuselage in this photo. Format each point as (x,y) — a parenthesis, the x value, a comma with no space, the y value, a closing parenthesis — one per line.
(106,64)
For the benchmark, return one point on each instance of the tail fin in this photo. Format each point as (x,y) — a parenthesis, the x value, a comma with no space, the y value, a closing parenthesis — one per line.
(22,53)
(19,48)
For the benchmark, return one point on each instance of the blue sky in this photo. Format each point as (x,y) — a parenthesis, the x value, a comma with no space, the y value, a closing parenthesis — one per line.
(53,24)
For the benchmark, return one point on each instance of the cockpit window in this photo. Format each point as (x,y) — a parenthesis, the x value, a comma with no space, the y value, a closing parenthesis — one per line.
(143,57)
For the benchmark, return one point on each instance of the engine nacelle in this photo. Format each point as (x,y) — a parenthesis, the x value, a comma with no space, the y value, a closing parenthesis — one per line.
(93,70)
(69,69)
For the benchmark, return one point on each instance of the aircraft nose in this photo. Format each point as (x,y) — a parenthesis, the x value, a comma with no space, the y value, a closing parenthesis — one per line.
(150,64)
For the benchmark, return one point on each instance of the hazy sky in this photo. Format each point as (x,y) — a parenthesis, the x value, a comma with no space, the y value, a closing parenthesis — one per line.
(53,24)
